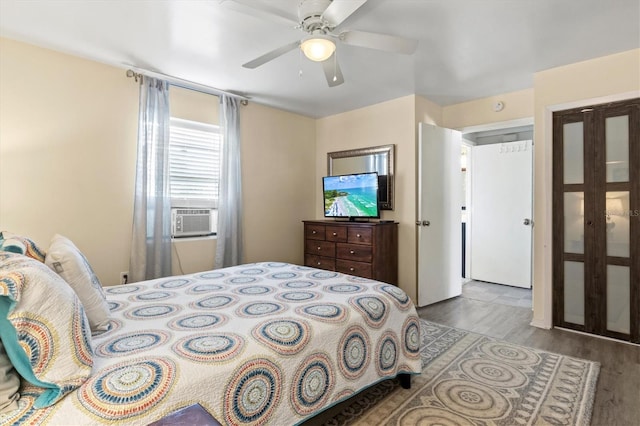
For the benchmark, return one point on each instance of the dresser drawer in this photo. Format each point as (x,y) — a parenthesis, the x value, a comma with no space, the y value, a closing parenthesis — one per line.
(360,269)
(320,248)
(320,262)
(359,253)
(314,232)
(336,233)
(360,235)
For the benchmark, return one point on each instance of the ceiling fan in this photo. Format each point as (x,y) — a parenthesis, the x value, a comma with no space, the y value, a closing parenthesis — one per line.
(319,19)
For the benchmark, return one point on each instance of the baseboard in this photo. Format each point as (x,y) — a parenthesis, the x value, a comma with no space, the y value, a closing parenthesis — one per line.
(540,324)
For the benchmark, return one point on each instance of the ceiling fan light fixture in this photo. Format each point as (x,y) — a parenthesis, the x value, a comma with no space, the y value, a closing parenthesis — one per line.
(318,48)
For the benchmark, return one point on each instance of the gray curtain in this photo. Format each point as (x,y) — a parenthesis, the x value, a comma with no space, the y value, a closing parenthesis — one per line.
(229,240)
(151,244)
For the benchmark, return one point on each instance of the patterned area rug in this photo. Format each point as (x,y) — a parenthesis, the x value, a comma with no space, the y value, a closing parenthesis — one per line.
(470,379)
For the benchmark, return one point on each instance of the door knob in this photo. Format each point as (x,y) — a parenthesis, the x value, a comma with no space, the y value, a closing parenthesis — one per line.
(527,221)
(426,223)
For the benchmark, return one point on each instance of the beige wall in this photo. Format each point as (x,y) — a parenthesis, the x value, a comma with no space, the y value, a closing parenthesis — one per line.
(599,80)
(67,152)
(278,172)
(391,122)
(517,105)
(68,131)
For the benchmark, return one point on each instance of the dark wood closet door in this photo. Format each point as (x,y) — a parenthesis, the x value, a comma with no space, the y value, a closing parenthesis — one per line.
(596,225)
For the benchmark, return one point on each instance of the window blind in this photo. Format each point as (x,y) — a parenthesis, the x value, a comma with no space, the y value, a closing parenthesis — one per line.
(194,163)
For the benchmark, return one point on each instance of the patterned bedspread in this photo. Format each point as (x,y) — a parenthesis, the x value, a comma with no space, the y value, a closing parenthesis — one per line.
(261,343)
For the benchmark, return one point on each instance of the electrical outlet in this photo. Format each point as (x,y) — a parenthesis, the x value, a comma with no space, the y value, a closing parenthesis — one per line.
(124,277)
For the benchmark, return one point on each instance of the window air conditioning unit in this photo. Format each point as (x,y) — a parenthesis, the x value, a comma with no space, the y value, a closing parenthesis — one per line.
(192,222)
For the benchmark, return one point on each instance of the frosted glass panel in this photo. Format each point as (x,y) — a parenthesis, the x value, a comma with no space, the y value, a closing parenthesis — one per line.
(574,292)
(573,153)
(617,216)
(574,222)
(618,296)
(617,140)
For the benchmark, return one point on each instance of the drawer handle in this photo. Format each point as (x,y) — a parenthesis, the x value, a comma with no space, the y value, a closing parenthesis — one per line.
(314,232)
(358,235)
(319,263)
(335,233)
(352,252)
(319,248)
(351,269)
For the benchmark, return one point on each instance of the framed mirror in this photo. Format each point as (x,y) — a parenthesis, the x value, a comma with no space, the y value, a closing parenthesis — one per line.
(374,159)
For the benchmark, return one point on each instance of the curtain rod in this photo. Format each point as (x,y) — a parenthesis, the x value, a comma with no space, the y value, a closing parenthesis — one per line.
(185,84)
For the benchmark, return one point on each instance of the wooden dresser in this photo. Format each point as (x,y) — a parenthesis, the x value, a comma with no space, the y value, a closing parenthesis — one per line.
(365,249)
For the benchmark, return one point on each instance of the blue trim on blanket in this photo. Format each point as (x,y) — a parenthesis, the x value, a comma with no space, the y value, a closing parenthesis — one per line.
(19,358)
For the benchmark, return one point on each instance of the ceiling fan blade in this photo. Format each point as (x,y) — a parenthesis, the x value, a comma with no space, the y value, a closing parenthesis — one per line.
(385,42)
(339,10)
(332,71)
(269,56)
(261,11)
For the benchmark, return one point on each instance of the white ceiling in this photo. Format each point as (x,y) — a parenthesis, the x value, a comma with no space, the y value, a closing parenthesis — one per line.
(467,49)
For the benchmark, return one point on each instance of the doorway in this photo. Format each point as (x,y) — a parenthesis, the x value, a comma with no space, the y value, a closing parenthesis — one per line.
(497,165)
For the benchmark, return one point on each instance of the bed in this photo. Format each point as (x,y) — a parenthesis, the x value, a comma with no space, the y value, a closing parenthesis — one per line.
(263,343)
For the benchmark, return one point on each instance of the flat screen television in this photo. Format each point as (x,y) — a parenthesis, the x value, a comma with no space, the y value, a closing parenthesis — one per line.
(353,196)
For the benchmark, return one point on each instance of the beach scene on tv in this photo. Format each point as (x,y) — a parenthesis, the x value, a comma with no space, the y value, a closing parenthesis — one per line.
(351,195)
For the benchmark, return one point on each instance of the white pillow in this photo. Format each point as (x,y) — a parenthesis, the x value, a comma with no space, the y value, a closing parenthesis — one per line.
(65,259)
(9,384)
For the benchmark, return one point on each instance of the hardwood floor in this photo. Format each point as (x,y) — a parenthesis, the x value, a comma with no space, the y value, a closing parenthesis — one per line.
(617,400)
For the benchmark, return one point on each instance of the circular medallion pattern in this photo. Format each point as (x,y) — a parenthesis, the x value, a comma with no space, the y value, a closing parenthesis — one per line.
(387,351)
(398,296)
(197,321)
(204,288)
(256,309)
(492,373)
(432,416)
(253,271)
(127,390)
(131,343)
(207,348)
(344,288)
(298,284)
(152,311)
(286,336)
(253,393)
(512,354)
(411,333)
(325,312)
(254,290)
(211,275)
(312,384)
(241,280)
(80,334)
(284,275)
(471,399)
(151,296)
(214,302)
(174,283)
(322,275)
(373,308)
(297,296)
(353,352)
(122,289)
(37,341)
(116,305)
(276,264)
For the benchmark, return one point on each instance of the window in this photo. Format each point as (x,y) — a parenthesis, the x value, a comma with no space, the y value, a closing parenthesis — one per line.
(194,166)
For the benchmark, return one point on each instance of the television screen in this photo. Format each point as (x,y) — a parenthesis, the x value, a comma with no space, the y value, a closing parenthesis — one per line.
(351,196)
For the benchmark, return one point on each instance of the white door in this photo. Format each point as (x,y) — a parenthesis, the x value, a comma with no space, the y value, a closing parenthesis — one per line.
(501,213)
(439,221)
